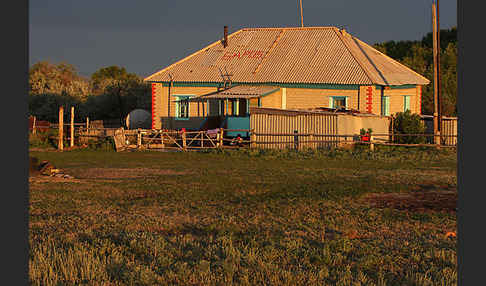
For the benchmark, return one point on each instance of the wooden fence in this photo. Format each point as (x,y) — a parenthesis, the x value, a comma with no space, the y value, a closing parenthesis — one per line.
(293,129)
(448,129)
(269,129)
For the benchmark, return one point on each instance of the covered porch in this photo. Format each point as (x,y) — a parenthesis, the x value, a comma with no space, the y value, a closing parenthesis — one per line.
(232,107)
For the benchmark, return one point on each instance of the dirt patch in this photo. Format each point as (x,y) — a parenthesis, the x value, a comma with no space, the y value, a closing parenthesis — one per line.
(122,173)
(421,200)
(50,179)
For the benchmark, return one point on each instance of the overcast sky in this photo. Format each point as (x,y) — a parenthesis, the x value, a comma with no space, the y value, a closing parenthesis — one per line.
(147,35)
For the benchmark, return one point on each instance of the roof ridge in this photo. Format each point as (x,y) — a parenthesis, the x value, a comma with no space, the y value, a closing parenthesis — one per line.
(391,60)
(277,38)
(190,56)
(290,28)
(365,70)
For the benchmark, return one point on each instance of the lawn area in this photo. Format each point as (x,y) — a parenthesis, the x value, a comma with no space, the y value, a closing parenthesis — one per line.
(245,218)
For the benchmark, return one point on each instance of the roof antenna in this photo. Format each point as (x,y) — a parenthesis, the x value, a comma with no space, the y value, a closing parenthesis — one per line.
(301,15)
(226,78)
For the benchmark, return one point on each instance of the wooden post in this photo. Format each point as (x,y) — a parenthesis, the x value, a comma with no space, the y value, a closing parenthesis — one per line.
(296,140)
(87,130)
(253,139)
(72,126)
(184,146)
(139,138)
(60,145)
(372,146)
(301,15)
(87,125)
(221,137)
(439,86)
(311,140)
(33,126)
(436,82)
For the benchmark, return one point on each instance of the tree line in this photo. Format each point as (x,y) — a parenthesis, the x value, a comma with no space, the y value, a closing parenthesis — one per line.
(418,55)
(112,92)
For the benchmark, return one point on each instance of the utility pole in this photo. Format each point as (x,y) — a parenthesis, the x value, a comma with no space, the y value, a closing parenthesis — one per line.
(301,15)
(439,86)
(169,120)
(436,76)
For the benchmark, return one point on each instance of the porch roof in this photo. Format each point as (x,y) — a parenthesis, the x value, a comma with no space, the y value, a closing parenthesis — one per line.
(238,91)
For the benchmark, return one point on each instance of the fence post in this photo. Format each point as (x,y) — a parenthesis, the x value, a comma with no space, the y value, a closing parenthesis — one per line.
(184,146)
(311,140)
(33,126)
(372,146)
(162,139)
(72,126)
(221,137)
(296,140)
(61,128)
(139,138)
(253,139)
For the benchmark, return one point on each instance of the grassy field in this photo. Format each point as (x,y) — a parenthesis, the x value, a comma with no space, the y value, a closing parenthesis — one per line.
(245,218)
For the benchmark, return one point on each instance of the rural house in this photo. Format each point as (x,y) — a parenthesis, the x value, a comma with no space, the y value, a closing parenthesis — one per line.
(297,68)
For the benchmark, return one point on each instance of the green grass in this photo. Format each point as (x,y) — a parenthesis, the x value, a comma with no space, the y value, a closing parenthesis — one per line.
(240,218)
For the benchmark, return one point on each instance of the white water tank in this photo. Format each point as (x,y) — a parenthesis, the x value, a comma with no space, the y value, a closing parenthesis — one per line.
(139,118)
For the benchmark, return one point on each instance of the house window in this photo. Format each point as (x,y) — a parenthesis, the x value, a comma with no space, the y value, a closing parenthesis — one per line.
(239,107)
(338,102)
(385,105)
(235,107)
(406,103)
(182,107)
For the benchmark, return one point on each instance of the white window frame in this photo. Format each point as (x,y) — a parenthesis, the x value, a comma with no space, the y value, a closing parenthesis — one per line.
(180,97)
(332,98)
(405,98)
(385,105)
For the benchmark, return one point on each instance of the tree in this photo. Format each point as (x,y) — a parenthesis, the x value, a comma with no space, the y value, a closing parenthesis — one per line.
(117,92)
(418,56)
(61,79)
(107,76)
(408,123)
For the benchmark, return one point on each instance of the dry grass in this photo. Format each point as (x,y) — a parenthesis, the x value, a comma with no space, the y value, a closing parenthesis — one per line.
(244,219)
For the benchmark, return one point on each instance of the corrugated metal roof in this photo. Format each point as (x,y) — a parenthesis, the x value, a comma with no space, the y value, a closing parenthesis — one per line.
(239,91)
(291,55)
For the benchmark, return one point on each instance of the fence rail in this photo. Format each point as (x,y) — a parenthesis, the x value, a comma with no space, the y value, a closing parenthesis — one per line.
(152,139)
(277,130)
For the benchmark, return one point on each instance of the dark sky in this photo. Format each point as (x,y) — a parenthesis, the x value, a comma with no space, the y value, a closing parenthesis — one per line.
(147,35)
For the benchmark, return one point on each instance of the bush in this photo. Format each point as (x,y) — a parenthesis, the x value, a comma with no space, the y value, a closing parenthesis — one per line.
(47,139)
(105,144)
(408,123)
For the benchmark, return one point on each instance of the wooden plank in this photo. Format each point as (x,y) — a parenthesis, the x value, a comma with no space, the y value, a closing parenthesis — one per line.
(61,128)
(72,127)
(120,139)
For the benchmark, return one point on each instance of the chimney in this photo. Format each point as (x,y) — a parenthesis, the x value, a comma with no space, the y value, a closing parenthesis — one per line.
(225,39)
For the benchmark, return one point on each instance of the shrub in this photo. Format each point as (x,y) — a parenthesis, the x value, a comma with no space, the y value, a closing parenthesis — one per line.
(408,123)
(105,144)
(47,139)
